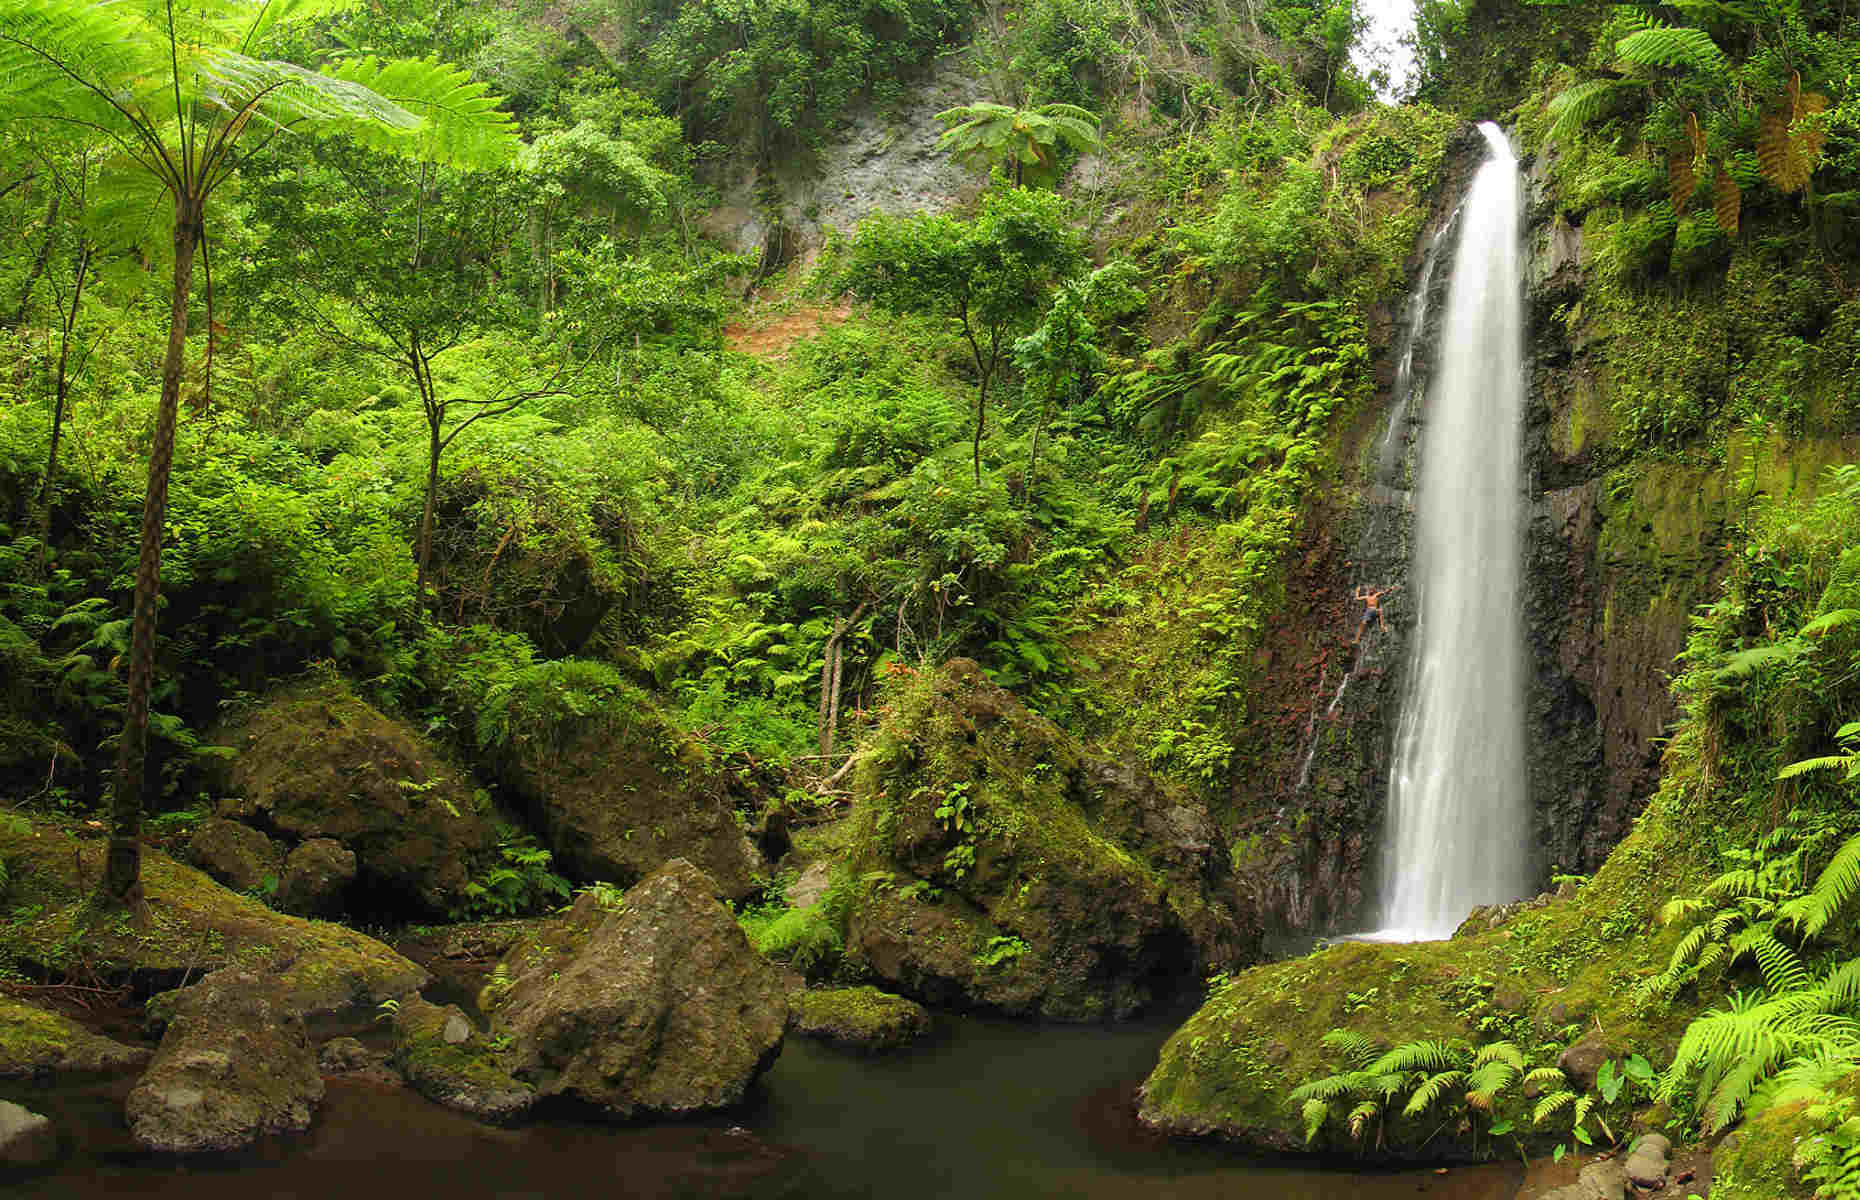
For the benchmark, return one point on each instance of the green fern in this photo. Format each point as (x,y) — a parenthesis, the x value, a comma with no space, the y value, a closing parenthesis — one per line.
(1581,105)
(1430,1090)
(1669,46)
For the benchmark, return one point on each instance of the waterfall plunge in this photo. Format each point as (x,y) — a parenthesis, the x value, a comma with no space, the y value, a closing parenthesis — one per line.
(1458,816)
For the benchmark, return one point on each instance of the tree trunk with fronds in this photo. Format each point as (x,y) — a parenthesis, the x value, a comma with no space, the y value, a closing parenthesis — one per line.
(122,875)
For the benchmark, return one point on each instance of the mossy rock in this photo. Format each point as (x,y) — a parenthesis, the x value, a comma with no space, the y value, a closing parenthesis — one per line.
(37,1044)
(1546,973)
(616,795)
(862,1018)
(325,973)
(451,1062)
(317,761)
(1757,1161)
(996,864)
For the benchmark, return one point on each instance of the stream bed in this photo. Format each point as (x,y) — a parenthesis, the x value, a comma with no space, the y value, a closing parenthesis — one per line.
(987,1111)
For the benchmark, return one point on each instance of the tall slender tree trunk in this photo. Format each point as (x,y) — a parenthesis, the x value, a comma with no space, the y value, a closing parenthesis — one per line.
(38,263)
(433,448)
(48,492)
(122,873)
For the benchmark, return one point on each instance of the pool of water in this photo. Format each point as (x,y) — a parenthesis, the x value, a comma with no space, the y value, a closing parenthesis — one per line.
(987,1111)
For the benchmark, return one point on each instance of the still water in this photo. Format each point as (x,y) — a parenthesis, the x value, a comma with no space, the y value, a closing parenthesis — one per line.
(988,1111)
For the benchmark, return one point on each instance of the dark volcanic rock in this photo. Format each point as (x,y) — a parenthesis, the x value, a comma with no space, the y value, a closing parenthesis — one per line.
(1000,865)
(234,1065)
(451,1063)
(658,1007)
(319,762)
(316,877)
(237,855)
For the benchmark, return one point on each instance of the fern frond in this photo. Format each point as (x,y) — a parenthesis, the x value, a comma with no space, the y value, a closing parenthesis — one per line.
(1735,883)
(1834,888)
(1360,1117)
(1839,618)
(1748,662)
(1500,1052)
(1581,105)
(1550,1105)
(1727,201)
(1781,967)
(1431,1090)
(1827,762)
(1358,1049)
(1543,1077)
(1314,1113)
(1679,909)
(1331,1087)
(1670,46)
(1418,1056)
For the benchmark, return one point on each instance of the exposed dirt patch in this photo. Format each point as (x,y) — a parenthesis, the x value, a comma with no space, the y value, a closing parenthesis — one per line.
(770,336)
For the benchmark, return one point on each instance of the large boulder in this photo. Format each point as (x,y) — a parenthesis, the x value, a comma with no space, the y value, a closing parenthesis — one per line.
(654,1006)
(447,1060)
(237,855)
(616,790)
(38,1044)
(234,1066)
(316,878)
(330,976)
(317,761)
(997,864)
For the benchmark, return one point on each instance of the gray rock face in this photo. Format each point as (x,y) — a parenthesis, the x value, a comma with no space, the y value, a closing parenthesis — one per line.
(234,1066)
(660,1007)
(237,855)
(316,875)
(26,1138)
(444,1058)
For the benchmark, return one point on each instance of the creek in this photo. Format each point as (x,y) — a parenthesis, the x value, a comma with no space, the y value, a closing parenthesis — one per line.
(986,1111)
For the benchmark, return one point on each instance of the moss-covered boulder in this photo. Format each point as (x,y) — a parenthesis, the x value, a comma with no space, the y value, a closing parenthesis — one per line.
(234,1066)
(317,761)
(1763,1159)
(450,1062)
(616,789)
(997,864)
(1542,978)
(652,1005)
(236,854)
(862,1018)
(36,1044)
(316,878)
(329,975)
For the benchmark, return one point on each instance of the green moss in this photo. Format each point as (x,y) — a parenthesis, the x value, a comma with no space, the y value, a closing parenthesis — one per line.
(860,1016)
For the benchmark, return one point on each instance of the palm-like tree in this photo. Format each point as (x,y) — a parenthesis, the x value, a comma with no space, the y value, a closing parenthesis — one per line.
(177,90)
(1024,140)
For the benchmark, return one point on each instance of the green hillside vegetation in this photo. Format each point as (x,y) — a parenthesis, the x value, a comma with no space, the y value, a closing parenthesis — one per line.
(477,423)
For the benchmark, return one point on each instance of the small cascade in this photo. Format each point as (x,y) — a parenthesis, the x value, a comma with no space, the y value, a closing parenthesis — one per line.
(1457,809)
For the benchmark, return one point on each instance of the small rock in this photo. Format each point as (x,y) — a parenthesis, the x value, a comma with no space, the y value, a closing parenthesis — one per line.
(806,891)
(1581,1062)
(344,1054)
(1603,1181)
(448,1070)
(1646,1162)
(26,1138)
(237,855)
(316,875)
(862,1017)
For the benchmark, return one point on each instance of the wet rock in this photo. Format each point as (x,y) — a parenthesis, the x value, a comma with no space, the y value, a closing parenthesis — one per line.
(234,1066)
(863,1018)
(26,1138)
(35,1043)
(449,1063)
(806,891)
(316,876)
(1646,1163)
(237,855)
(621,793)
(1604,1180)
(320,762)
(999,865)
(657,1007)
(1583,1061)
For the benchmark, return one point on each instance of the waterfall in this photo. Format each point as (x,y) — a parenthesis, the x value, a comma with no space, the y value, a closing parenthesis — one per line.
(1457,811)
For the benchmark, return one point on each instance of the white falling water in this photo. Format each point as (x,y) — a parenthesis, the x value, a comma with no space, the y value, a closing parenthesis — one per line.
(1458,815)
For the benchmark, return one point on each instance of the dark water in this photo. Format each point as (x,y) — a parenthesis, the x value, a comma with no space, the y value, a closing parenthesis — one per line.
(990,1111)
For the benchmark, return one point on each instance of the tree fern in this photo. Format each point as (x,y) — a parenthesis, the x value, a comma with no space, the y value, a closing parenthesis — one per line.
(1580,105)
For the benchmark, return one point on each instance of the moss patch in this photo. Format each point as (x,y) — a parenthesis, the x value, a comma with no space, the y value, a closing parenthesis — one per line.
(34,1042)
(192,926)
(861,1017)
